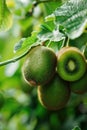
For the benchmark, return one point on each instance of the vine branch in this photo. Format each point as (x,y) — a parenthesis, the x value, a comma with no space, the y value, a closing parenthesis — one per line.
(14,59)
(36,3)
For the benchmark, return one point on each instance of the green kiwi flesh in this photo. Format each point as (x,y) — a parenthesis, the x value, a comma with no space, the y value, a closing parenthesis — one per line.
(55,94)
(71,64)
(39,66)
(79,86)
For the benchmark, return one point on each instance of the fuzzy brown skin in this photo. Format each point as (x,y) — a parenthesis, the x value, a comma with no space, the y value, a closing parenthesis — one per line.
(55,94)
(40,66)
(71,64)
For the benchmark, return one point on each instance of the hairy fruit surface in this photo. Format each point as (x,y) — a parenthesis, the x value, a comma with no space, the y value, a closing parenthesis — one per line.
(55,94)
(40,65)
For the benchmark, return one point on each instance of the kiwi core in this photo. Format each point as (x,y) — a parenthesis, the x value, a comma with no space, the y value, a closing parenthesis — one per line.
(71,65)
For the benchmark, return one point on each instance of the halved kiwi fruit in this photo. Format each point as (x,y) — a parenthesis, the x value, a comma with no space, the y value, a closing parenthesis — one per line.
(39,66)
(71,64)
(79,86)
(55,94)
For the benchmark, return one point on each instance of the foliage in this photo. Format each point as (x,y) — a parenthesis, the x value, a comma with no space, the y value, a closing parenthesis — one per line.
(54,24)
(5,16)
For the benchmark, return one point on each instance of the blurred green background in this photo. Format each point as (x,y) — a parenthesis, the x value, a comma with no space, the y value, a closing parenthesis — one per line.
(21,109)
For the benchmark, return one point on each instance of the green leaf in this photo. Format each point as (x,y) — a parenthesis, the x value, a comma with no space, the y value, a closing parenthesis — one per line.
(14,59)
(50,18)
(51,6)
(79,42)
(49,32)
(56,46)
(85,51)
(76,128)
(5,16)
(73,17)
(26,43)
(18,45)
(22,48)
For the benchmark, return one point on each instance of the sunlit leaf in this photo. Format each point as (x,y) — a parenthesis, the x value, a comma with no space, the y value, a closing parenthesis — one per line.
(26,42)
(18,45)
(5,16)
(50,33)
(23,46)
(50,18)
(73,17)
(10,3)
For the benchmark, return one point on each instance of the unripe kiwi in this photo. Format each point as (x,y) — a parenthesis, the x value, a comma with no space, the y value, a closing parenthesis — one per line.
(79,86)
(40,65)
(71,64)
(55,94)
(26,88)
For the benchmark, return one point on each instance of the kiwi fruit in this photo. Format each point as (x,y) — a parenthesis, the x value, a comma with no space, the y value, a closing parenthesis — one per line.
(26,88)
(71,64)
(79,86)
(55,94)
(39,66)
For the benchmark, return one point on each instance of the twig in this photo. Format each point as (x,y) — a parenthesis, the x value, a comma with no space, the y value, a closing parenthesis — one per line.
(36,3)
(14,59)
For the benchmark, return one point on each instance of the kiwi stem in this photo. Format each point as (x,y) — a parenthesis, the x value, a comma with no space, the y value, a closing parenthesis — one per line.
(84,48)
(66,42)
(14,59)
(49,43)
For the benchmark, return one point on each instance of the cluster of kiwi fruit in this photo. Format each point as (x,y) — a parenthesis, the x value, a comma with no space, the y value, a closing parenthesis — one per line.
(55,74)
